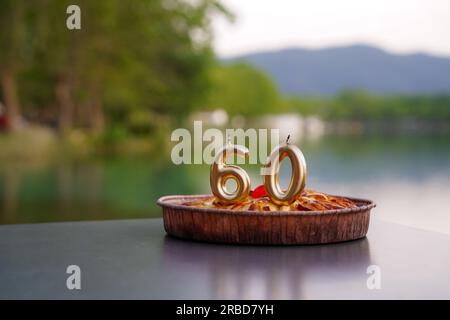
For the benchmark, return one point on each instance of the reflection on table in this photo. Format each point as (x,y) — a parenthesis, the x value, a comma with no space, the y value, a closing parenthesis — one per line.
(256,272)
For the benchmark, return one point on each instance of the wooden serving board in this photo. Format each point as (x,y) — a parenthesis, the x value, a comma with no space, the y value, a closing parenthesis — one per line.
(264,228)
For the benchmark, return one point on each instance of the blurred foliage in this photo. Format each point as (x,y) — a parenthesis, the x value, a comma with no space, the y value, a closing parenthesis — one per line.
(130,59)
(363,106)
(243,89)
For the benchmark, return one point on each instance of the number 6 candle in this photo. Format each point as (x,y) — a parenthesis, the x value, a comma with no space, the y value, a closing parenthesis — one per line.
(298,175)
(221,172)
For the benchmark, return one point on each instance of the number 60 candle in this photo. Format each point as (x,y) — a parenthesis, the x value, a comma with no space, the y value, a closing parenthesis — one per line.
(221,172)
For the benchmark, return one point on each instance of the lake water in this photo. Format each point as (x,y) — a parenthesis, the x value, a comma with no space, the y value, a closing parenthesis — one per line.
(407,176)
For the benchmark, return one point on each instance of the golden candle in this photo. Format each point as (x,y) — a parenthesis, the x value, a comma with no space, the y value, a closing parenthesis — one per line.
(221,172)
(298,175)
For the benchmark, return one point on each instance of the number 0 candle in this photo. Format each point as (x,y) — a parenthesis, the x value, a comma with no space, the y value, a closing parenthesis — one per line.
(221,172)
(298,175)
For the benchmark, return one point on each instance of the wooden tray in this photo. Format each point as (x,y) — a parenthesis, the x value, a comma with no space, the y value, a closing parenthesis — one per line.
(269,228)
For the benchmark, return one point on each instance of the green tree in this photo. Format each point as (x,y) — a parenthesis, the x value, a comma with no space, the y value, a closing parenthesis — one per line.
(130,60)
(128,57)
(13,46)
(58,51)
(167,57)
(243,89)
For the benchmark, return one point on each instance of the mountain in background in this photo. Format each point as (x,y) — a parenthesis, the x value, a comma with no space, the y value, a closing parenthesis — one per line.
(331,70)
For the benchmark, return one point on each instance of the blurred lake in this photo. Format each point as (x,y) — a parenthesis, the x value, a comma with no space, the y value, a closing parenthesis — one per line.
(408,176)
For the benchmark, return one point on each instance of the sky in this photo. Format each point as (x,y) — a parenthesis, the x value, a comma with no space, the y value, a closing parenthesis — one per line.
(399,26)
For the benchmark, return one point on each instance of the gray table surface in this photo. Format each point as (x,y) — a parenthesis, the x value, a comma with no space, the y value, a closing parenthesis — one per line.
(135,259)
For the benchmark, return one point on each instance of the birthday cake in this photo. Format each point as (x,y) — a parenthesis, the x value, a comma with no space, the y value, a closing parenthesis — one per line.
(269,214)
(258,200)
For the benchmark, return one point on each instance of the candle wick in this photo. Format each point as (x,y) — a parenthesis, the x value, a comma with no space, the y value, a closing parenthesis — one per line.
(287,139)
